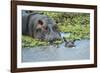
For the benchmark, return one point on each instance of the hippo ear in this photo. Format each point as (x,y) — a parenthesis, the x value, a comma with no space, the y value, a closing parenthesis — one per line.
(56,22)
(74,40)
(64,39)
(40,22)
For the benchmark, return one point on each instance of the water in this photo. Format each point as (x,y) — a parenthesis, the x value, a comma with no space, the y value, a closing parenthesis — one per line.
(64,34)
(60,53)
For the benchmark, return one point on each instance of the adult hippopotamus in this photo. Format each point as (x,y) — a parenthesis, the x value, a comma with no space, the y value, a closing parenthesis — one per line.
(39,26)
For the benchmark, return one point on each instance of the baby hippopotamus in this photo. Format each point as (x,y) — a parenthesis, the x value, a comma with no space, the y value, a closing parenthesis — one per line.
(70,43)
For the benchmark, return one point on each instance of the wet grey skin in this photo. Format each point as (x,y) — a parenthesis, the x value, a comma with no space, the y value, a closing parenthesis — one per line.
(39,26)
(70,43)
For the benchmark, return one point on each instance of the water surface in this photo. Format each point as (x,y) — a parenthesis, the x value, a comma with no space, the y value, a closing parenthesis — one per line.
(57,53)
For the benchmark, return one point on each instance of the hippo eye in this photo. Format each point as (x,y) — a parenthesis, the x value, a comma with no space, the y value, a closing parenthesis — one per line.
(40,22)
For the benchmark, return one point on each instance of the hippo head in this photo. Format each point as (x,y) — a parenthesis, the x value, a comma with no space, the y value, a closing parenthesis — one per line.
(45,28)
(70,43)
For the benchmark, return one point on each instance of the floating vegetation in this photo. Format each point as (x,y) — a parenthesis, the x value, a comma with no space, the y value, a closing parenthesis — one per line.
(28,41)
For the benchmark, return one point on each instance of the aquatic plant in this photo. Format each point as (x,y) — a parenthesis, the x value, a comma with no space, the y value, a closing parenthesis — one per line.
(28,41)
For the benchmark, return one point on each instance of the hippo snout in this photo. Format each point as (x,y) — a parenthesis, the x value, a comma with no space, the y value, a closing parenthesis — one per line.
(53,36)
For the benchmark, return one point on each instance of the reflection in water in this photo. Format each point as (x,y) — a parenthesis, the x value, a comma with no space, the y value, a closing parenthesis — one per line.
(53,53)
